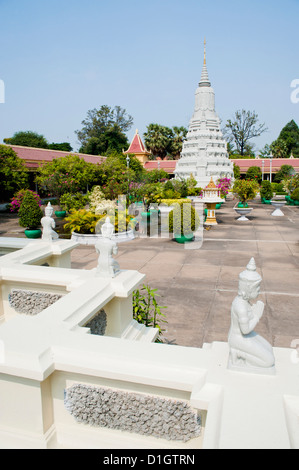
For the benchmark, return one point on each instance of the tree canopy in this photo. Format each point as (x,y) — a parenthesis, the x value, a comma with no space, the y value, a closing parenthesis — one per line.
(243,127)
(13,173)
(290,135)
(163,141)
(33,139)
(65,174)
(104,130)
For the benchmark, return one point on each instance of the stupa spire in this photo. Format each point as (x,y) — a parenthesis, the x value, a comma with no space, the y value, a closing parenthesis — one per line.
(204,81)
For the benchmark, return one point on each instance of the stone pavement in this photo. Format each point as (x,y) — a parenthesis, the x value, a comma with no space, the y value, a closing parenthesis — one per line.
(198,286)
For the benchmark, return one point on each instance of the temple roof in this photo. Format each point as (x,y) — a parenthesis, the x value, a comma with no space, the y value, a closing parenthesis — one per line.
(137,146)
(34,156)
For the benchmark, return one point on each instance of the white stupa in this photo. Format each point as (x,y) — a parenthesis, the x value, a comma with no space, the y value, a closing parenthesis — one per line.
(204,153)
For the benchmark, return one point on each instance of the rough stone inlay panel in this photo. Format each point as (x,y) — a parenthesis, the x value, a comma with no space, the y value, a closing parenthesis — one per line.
(126,411)
(98,323)
(31,302)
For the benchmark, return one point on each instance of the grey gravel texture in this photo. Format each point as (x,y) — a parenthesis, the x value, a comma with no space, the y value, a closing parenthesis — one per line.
(142,414)
(31,302)
(98,323)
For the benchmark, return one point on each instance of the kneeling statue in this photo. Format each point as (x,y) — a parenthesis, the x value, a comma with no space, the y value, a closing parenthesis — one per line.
(107,266)
(249,352)
(48,224)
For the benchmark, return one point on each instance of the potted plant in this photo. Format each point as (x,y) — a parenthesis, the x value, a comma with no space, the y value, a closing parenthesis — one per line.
(30,215)
(266,192)
(183,221)
(245,190)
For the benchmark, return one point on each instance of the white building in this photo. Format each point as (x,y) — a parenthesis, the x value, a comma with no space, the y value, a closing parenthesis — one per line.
(204,153)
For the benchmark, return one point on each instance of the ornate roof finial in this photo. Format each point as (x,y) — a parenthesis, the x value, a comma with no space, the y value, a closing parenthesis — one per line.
(204,81)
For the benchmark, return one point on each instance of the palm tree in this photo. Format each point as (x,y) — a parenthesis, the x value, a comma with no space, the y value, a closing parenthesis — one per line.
(180,134)
(158,140)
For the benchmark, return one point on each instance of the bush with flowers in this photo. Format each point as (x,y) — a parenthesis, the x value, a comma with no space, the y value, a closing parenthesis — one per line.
(224,184)
(17,199)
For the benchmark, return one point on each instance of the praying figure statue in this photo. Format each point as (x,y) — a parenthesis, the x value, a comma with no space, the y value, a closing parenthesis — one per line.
(248,351)
(48,224)
(106,247)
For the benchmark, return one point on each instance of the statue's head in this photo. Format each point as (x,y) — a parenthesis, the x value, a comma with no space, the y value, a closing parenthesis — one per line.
(249,282)
(48,210)
(107,228)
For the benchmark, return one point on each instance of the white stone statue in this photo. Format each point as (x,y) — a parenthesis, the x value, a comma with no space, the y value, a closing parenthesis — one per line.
(107,266)
(48,224)
(249,352)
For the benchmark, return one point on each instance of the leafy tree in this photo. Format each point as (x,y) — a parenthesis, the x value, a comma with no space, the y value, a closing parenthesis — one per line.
(158,140)
(290,135)
(284,172)
(265,152)
(13,173)
(64,146)
(67,174)
(237,171)
(242,128)
(279,149)
(104,130)
(27,139)
(254,173)
(179,136)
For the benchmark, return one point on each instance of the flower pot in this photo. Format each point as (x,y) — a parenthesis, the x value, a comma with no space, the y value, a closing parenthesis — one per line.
(60,214)
(33,233)
(243,211)
(184,238)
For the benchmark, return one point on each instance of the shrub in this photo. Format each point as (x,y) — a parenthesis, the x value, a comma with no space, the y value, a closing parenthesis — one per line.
(295,194)
(75,201)
(16,201)
(245,189)
(87,222)
(266,190)
(146,309)
(30,212)
(183,219)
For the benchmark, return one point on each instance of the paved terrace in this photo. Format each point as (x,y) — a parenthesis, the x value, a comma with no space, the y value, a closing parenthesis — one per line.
(198,286)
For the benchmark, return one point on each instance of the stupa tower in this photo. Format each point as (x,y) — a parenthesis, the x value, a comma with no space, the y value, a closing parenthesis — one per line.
(204,153)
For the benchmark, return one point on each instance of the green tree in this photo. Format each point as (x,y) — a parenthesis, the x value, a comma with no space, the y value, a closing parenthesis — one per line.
(104,130)
(179,136)
(243,127)
(63,147)
(237,171)
(13,173)
(290,135)
(254,173)
(158,140)
(279,149)
(67,174)
(284,172)
(265,152)
(27,139)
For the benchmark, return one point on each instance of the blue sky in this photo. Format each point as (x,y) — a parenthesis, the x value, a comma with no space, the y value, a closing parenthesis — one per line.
(58,59)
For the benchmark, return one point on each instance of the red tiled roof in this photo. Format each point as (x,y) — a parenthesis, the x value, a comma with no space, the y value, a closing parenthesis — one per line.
(246,163)
(136,145)
(33,157)
(166,165)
